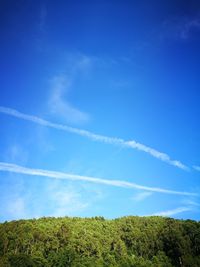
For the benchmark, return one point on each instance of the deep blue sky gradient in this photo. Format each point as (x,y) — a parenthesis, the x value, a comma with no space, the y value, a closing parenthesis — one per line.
(127,69)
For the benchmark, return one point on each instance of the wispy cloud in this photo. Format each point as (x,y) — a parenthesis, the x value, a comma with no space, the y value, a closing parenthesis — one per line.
(41,28)
(68,203)
(180,28)
(14,207)
(15,153)
(66,199)
(9,167)
(96,137)
(141,196)
(42,17)
(191,203)
(58,103)
(17,208)
(76,66)
(172,212)
(197,168)
(81,64)
(188,26)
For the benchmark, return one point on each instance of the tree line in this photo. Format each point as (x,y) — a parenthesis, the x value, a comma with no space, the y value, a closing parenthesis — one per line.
(96,242)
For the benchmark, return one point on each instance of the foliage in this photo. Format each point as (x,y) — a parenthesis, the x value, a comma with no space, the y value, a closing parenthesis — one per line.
(80,242)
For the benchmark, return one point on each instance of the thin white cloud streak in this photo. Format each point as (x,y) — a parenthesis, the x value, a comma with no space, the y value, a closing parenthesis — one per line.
(96,137)
(9,167)
(42,18)
(172,212)
(141,196)
(197,168)
(159,155)
(190,203)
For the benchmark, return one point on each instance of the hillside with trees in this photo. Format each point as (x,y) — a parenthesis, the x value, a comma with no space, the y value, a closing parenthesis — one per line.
(94,242)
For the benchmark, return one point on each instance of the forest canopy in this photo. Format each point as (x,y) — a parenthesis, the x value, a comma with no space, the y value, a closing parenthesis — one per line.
(75,242)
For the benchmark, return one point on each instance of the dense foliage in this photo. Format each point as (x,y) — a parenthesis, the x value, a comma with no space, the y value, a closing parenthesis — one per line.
(128,241)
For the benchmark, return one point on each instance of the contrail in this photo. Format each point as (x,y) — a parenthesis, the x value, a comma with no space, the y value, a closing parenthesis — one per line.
(96,137)
(9,167)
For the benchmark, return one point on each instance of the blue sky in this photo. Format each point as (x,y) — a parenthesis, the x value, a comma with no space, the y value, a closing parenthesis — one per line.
(99,108)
